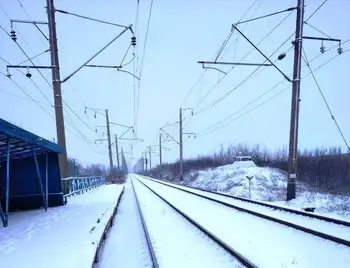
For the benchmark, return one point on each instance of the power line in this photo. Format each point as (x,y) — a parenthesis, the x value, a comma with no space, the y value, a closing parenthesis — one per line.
(250,76)
(245,27)
(249,111)
(253,49)
(232,30)
(246,55)
(30,97)
(217,54)
(142,61)
(27,15)
(44,110)
(317,9)
(208,131)
(87,141)
(278,85)
(325,100)
(135,50)
(313,27)
(47,83)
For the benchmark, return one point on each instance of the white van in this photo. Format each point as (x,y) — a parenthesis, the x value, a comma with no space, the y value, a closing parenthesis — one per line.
(243,158)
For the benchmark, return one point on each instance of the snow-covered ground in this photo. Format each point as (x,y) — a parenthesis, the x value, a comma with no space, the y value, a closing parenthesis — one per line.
(126,244)
(61,237)
(232,179)
(265,243)
(176,241)
(267,184)
(336,230)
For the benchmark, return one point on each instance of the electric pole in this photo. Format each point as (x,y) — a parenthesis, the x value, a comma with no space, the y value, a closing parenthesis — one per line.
(180,142)
(150,157)
(294,118)
(160,149)
(56,84)
(145,160)
(117,151)
(109,142)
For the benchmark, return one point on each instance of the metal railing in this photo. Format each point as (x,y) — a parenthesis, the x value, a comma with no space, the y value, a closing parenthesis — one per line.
(78,185)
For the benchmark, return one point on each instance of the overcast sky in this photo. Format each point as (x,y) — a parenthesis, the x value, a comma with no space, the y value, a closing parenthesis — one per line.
(180,34)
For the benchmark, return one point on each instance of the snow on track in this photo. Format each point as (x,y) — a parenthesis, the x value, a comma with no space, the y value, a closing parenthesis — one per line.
(265,243)
(177,242)
(61,236)
(126,244)
(336,230)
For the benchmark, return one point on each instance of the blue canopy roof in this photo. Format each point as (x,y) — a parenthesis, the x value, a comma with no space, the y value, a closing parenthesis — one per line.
(22,141)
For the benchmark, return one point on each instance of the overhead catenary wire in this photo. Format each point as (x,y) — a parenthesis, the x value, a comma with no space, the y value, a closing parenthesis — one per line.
(19,33)
(246,55)
(27,15)
(211,130)
(313,27)
(232,29)
(244,28)
(42,108)
(142,62)
(135,62)
(246,79)
(325,100)
(41,92)
(317,9)
(228,117)
(29,59)
(217,54)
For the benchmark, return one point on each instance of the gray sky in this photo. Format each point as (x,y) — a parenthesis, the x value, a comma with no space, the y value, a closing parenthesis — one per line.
(180,34)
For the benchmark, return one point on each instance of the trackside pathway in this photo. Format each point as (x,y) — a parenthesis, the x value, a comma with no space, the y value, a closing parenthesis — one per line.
(61,237)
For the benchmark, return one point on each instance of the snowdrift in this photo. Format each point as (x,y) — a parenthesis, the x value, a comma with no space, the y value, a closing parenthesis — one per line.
(268,184)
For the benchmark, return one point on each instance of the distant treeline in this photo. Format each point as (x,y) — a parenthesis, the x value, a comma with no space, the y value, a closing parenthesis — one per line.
(76,169)
(325,169)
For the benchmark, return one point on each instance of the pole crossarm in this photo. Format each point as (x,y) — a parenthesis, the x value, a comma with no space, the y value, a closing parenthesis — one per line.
(96,54)
(118,67)
(101,140)
(170,124)
(120,125)
(104,66)
(235,63)
(213,68)
(92,19)
(169,136)
(29,21)
(267,58)
(321,38)
(130,139)
(265,16)
(30,66)
(47,50)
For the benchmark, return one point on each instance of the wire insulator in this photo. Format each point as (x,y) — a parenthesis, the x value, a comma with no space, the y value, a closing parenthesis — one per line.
(133,41)
(13,35)
(322,48)
(340,49)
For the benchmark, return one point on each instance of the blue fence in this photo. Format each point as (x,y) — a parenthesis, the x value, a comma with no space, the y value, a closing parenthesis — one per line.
(78,185)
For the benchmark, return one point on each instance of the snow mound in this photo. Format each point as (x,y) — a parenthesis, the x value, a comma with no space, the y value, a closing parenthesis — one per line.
(237,165)
(268,184)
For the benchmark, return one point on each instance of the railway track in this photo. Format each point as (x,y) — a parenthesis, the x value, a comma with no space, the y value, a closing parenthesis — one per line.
(280,220)
(234,253)
(145,230)
(275,207)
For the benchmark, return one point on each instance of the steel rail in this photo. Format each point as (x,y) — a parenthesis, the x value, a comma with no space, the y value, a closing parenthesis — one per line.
(221,243)
(276,207)
(261,215)
(144,226)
